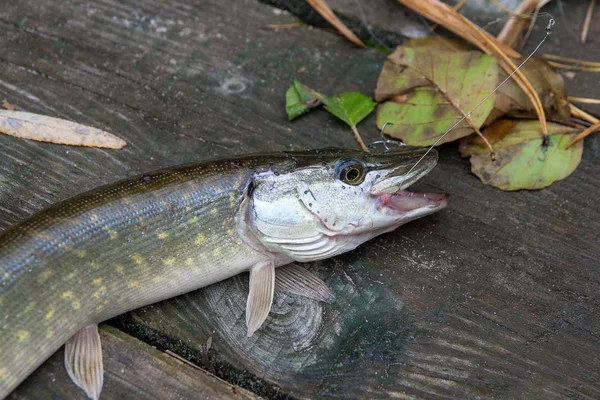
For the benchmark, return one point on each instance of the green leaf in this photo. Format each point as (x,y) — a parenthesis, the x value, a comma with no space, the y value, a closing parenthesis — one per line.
(423,117)
(426,90)
(351,107)
(522,161)
(300,99)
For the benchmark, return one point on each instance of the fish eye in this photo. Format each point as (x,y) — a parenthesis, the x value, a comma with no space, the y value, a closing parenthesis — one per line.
(351,172)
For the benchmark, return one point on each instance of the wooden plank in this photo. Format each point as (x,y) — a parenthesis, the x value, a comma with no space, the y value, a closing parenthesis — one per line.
(178,81)
(494,297)
(131,370)
(382,23)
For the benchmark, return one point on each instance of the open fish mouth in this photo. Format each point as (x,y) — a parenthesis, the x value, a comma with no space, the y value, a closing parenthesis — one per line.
(390,189)
(405,201)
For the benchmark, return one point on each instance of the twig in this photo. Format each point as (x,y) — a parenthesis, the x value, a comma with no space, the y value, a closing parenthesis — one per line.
(571,67)
(284,26)
(322,8)
(359,139)
(579,113)
(532,22)
(507,10)
(571,60)
(527,10)
(586,21)
(583,100)
(444,15)
(458,5)
(585,133)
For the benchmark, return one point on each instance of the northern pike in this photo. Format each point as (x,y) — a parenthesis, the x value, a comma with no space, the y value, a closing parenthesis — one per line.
(165,233)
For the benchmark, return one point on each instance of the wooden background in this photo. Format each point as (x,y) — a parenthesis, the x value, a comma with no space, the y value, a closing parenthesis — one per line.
(496,296)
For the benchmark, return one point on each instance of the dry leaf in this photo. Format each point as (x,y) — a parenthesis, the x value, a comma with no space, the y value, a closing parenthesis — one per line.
(7,105)
(548,84)
(449,18)
(522,160)
(440,87)
(55,130)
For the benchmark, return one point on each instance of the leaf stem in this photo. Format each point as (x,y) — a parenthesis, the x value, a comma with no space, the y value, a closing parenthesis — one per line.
(466,117)
(359,139)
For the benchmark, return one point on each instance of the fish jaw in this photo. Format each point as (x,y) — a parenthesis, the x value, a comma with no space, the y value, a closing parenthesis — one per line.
(394,205)
(398,176)
(393,201)
(409,205)
(309,213)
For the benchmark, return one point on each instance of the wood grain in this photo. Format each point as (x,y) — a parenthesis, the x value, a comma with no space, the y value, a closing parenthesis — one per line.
(131,370)
(497,296)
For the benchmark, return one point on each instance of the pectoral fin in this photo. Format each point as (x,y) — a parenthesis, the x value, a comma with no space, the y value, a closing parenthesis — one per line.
(260,298)
(294,279)
(83,361)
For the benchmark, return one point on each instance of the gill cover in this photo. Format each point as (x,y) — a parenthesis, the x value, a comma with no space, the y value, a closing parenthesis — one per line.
(325,202)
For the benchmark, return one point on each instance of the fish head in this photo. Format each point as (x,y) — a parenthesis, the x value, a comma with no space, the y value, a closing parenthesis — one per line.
(322,203)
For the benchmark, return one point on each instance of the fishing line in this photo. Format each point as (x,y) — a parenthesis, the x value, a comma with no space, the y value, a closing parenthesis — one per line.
(551,23)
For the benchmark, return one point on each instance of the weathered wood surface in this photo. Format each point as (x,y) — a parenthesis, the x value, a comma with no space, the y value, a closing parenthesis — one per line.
(132,369)
(497,296)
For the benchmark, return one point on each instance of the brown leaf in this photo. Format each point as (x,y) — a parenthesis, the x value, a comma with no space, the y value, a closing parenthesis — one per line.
(430,90)
(394,65)
(548,84)
(444,15)
(55,130)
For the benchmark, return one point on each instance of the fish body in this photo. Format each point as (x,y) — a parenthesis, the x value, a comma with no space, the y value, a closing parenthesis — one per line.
(155,236)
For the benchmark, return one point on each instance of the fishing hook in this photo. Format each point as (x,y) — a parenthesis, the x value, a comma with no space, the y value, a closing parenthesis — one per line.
(384,140)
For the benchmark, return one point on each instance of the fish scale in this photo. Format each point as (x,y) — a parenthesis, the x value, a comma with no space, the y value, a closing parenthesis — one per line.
(158,235)
(74,237)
